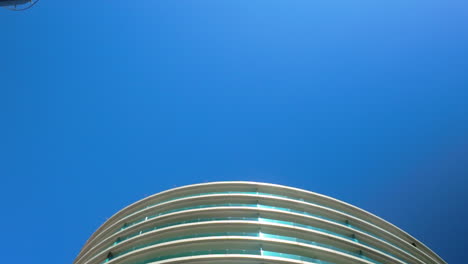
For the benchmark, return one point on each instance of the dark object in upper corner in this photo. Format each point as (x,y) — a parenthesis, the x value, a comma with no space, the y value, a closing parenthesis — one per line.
(13,2)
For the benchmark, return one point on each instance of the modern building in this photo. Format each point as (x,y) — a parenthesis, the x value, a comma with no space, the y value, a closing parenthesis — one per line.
(249,223)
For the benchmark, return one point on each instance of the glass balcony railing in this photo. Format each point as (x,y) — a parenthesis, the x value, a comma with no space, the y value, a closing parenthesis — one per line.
(200,253)
(343,223)
(346,223)
(238,192)
(265,235)
(295,257)
(299,240)
(257,206)
(231,251)
(237,252)
(328,232)
(160,241)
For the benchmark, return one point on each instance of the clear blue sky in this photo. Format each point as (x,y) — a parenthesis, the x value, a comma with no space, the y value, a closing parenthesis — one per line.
(105,102)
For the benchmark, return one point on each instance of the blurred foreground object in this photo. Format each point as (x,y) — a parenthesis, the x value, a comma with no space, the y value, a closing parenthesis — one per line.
(18,5)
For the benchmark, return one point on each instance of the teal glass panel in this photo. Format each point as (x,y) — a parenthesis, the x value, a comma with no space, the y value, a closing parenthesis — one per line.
(247,234)
(343,223)
(139,232)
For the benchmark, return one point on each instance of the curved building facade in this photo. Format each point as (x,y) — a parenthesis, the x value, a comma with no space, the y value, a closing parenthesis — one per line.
(250,223)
